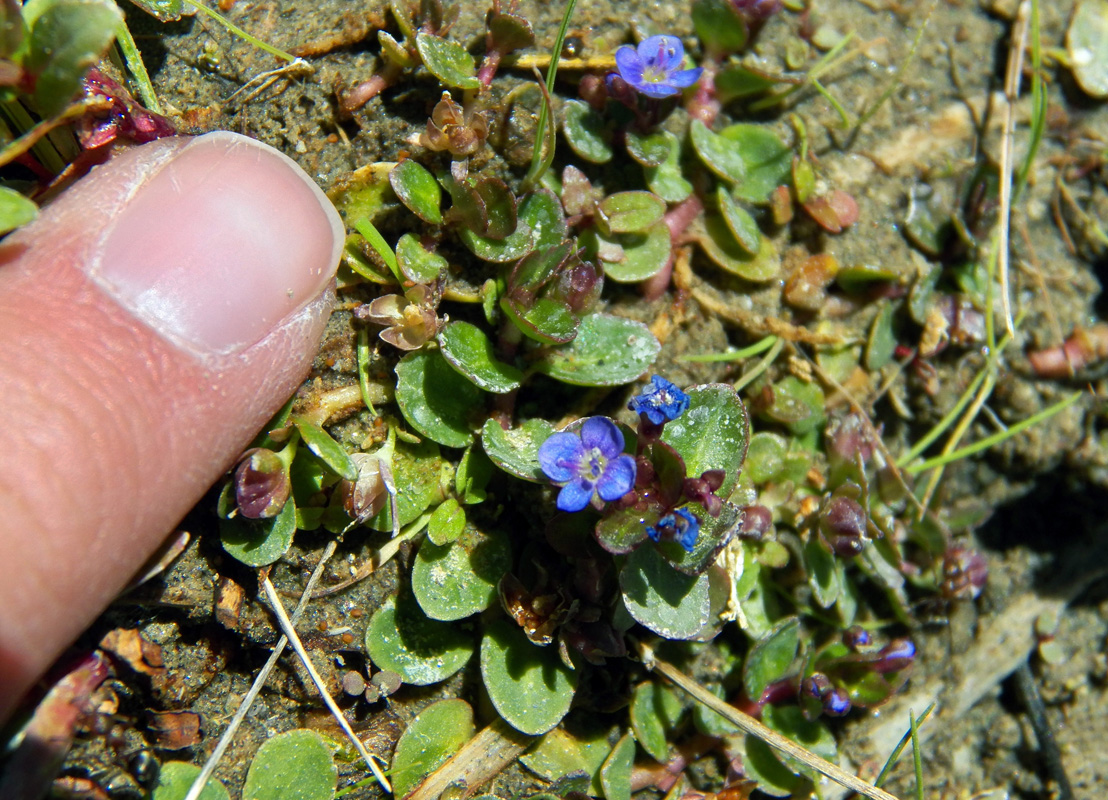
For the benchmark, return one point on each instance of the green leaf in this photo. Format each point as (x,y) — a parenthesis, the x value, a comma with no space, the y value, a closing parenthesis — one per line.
(422,651)
(469,351)
(453,581)
(418,190)
(165,10)
(641,255)
(739,222)
(448,61)
(812,735)
(718,26)
(528,685)
(666,180)
(712,434)
(417,473)
(762,765)
(586,133)
(175,779)
(668,602)
(654,711)
(326,449)
(500,251)
(770,658)
(436,734)
(622,530)
(543,213)
(516,451)
(257,543)
(474,472)
(295,765)
(447,522)
(418,264)
(608,351)
(797,404)
(615,774)
(15,210)
(767,160)
(649,149)
(629,212)
(547,321)
(765,459)
(720,155)
(67,37)
(435,399)
(1087,46)
(561,753)
(881,343)
(715,534)
(823,577)
(721,246)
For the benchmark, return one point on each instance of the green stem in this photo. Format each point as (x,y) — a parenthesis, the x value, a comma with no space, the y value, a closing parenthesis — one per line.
(235,29)
(539,164)
(736,355)
(133,57)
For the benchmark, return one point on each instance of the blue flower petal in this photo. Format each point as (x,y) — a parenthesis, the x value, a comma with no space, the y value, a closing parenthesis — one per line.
(603,434)
(687,533)
(575,495)
(662,52)
(656,90)
(685,78)
(618,478)
(629,65)
(560,456)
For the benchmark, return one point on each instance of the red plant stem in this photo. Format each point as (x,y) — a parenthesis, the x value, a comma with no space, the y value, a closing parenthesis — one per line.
(488,67)
(704,105)
(677,219)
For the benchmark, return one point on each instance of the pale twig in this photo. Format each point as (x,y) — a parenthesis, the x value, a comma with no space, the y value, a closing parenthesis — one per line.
(756,728)
(1011,94)
(255,689)
(298,646)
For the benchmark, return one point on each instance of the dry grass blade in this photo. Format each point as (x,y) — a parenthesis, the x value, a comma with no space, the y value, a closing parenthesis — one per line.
(298,646)
(256,688)
(756,728)
(481,759)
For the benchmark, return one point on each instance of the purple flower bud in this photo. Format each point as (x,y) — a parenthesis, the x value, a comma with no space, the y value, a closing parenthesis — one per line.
(755,523)
(816,685)
(857,638)
(843,523)
(895,656)
(965,573)
(757,10)
(836,703)
(262,484)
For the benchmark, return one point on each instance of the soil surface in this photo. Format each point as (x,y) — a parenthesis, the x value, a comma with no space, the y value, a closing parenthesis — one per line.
(1035,504)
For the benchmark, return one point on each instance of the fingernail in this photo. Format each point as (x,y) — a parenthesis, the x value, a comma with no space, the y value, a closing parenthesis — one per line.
(221,244)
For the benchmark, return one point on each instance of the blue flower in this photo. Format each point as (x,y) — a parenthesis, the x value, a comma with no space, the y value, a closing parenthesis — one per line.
(587,464)
(654,69)
(661,403)
(680,526)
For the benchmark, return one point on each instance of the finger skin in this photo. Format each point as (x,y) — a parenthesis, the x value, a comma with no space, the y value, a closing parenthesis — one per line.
(114,429)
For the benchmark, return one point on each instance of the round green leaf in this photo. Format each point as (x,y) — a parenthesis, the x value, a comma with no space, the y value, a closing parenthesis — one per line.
(326,449)
(453,581)
(437,733)
(823,576)
(418,190)
(469,351)
(607,351)
(257,543)
(721,246)
(585,132)
(762,765)
(668,602)
(719,155)
(1087,45)
(417,474)
(516,245)
(654,710)
(771,658)
(615,774)
(15,209)
(447,522)
(649,149)
(644,254)
(67,37)
(516,451)
(630,212)
(666,180)
(712,434)
(718,26)
(767,161)
(715,534)
(435,399)
(528,685)
(472,476)
(543,213)
(448,61)
(296,765)
(418,264)
(765,459)
(175,779)
(422,651)
(561,753)
(739,222)
(811,734)
(547,321)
